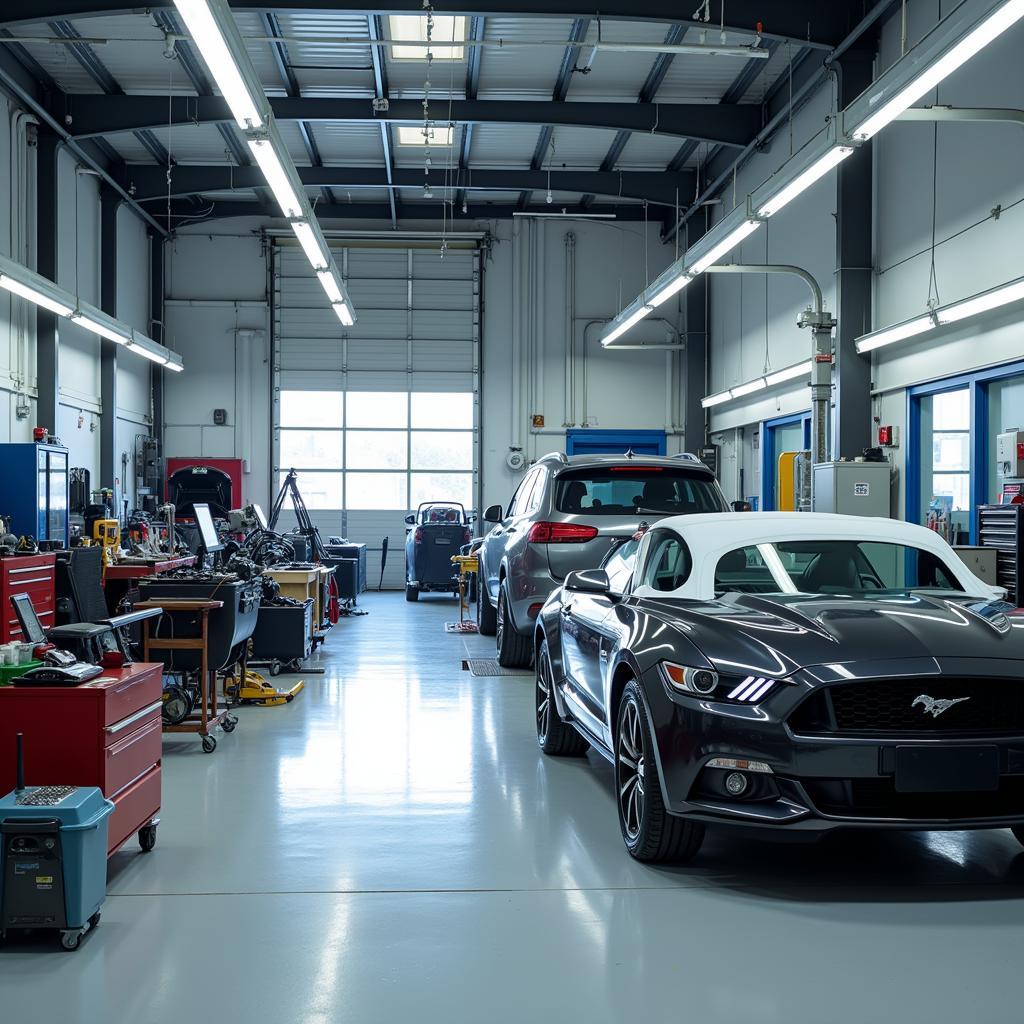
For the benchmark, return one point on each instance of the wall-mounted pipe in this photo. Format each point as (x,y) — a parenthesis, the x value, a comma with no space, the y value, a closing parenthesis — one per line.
(570,328)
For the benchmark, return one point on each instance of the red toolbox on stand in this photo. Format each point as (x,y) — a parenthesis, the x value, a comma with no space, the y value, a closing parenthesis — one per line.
(106,733)
(34,575)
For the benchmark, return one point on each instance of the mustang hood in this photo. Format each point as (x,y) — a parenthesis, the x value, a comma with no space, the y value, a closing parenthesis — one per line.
(778,635)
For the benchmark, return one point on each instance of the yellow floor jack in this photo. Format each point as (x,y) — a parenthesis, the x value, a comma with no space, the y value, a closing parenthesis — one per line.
(468,566)
(254,689)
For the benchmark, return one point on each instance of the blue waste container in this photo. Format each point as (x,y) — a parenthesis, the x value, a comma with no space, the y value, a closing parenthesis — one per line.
(53,859)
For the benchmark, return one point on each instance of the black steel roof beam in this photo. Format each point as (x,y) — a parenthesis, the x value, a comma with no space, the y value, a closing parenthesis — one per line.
(570,55)
(473,56)
(734,94)
(380,86)
(150,182)
(291,84)
(98,72)
(821,23)
(381,211)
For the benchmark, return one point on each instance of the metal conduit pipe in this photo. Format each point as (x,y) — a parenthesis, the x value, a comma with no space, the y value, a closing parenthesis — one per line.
(821,324)
(570,328)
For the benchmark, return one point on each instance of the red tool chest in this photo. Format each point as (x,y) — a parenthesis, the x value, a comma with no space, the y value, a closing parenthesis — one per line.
(105,733)
(34,575)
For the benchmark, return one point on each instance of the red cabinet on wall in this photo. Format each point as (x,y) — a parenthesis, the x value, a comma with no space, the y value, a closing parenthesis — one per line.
(105,733)
(34,575)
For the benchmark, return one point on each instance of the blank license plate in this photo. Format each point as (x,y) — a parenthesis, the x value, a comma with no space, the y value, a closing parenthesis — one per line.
(441,540)
(949,770)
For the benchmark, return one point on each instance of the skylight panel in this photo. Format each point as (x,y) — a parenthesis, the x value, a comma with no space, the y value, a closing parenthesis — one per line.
(447,30)
(412,135)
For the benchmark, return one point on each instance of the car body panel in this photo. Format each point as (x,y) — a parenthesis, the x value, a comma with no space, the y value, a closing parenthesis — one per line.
(810,644)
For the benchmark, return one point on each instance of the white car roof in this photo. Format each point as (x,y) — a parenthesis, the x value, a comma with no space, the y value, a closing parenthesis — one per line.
(711,535)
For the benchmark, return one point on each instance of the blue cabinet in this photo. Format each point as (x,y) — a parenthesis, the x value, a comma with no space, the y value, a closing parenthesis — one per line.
(35,490)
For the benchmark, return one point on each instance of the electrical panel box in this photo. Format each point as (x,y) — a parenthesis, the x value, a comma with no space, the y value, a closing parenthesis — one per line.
(853,488)
(1010,455)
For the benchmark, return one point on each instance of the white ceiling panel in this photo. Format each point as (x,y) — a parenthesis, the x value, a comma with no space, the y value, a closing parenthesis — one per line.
(771,69)
(616,76)
(503,145)
(648,152)
(578,147)
(58,61)
(694,77)
(521,69)
(349,143)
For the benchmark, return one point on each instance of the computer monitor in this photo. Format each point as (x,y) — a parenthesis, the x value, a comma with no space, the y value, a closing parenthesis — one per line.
(260,517)
(27,618)
(207,531)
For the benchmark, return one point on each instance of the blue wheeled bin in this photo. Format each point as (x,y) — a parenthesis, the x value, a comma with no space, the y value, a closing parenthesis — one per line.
(53,859)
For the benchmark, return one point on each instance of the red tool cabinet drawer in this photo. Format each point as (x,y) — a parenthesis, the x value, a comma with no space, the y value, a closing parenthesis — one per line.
(132,751)
(34,575)
(129,695)
(133,807)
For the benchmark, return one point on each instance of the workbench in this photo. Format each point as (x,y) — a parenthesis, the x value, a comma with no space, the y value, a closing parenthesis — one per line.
(118,578)
(104,733)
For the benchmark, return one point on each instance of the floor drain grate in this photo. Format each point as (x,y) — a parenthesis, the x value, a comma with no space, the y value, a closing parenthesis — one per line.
(489,667)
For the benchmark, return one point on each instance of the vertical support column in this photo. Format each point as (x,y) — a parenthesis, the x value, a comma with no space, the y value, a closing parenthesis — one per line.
(854,253)
(156,332)
(694,362)
(110,201)
(47,329)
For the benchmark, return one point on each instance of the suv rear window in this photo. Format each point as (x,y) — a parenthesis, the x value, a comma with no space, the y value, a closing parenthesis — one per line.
(633,490)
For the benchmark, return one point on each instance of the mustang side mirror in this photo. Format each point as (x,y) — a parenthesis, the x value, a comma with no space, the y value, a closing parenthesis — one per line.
(493,514)
(410,519)
(588,581)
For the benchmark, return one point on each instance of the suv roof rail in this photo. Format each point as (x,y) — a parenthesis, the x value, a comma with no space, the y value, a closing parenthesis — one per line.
(560,456)
(686,457)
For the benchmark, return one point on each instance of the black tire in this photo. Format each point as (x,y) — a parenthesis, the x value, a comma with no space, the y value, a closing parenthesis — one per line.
(555,737)
(147,838)
(228,723)
(412,593)
(650,833)
(1018,832)
(209,744)
(471,594)
(486,619)
(514,649)
(275,668)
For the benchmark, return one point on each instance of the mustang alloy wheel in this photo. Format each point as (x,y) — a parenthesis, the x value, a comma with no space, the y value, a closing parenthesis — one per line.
(649,831)
(554,736)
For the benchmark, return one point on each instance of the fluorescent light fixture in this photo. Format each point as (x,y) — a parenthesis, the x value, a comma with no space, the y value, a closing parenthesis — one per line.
(890,335)
(174,362)
(34,296)
(726,245)
(148,350)
(991,28)
(277,177)
(202,24)
(994,298)
(631,321)
(789,373)
(413,135)
(343,313)
(330,286)
(802,182)
(90,323)
(757,384)
(446,29)
(670,289)
(710,401)
(310,245)
(982,303)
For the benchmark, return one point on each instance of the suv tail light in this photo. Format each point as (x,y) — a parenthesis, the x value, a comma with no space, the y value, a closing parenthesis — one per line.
(560,533)
(417,537)
(467,535)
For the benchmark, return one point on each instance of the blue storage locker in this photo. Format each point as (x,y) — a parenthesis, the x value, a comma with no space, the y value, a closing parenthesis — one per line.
(35,492)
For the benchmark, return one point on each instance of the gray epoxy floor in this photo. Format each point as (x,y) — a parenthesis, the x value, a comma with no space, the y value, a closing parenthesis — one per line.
(392,846)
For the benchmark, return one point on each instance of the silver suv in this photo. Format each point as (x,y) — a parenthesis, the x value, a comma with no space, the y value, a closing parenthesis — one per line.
(566,514)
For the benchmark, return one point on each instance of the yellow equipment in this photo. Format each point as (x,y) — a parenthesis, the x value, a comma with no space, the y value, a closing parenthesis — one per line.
(468,565)
(255,689)
(785,483)
(107,533)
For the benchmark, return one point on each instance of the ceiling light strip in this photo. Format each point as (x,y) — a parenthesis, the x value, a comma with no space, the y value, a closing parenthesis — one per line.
(42,292)
(768,380)
(950,45)
(215,33)
(941,316)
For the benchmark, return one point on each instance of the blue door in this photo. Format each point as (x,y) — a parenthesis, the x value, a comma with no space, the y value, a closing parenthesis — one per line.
(614,442)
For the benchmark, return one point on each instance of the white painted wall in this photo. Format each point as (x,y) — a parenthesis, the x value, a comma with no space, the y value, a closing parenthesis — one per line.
(524,310)
(975,168)
(78,271)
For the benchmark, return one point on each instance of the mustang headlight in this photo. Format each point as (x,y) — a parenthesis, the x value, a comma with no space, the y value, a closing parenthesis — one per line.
(702,682)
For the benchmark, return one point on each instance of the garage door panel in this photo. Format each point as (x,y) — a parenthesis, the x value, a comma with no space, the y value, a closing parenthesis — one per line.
(390,356)
(431,323)
(456,356)
(442,295)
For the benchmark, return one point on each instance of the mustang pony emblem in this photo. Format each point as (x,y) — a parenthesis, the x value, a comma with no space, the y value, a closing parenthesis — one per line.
(935,707)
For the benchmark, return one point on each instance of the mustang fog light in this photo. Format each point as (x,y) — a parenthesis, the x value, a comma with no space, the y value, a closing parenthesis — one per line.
(736,783)
(738,764)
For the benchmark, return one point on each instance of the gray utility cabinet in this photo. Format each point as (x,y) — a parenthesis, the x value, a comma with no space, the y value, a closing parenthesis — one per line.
(853,488)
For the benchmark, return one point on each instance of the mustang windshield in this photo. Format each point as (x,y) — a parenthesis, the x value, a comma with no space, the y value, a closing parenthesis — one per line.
(832,567)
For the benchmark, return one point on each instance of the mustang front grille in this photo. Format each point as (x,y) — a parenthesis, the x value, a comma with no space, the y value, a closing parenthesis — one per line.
(927,706)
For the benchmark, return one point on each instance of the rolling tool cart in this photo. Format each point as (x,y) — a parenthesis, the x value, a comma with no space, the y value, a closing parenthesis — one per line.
(53,858)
